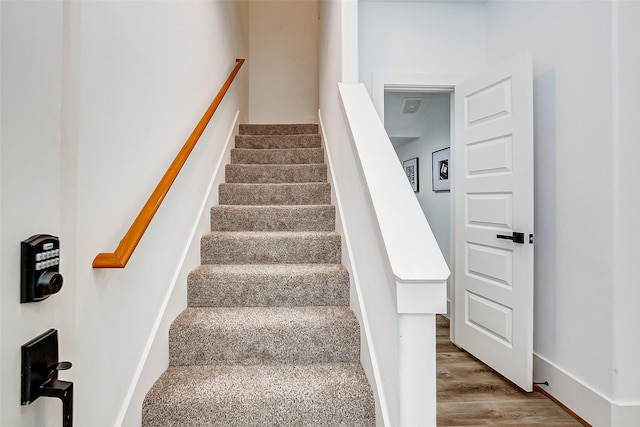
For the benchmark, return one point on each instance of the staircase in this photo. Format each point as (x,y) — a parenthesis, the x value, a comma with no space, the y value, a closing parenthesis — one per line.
(268,338)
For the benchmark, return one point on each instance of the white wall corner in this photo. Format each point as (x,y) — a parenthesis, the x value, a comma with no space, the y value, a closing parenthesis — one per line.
(421,297)
(350,41)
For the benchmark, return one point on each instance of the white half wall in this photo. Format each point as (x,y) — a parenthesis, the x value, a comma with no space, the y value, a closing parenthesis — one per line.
(407,249)
(284,43)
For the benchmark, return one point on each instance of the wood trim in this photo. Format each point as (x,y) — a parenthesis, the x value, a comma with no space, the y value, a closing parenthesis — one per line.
(560,404)
(120,257)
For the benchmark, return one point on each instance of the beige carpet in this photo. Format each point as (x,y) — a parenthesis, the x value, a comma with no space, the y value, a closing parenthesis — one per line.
(268,338)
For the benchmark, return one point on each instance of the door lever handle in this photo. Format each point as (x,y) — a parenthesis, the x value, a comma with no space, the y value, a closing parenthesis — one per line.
(63,390)
(515,238)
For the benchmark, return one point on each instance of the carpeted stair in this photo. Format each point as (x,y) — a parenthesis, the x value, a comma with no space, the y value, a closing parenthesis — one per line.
(268,338)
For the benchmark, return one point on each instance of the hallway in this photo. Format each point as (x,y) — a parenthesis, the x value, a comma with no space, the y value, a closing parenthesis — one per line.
(470,393)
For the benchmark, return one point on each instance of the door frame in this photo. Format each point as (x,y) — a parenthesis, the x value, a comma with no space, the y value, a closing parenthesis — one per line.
(428,83)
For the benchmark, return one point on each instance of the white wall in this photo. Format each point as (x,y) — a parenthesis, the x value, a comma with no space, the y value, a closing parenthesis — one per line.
(419,37)
(284,42)
(115,89)
(405,41)
(585,73)
(574,285)
(30,192)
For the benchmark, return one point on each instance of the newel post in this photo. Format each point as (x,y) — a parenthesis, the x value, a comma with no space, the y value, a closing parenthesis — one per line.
(418,303)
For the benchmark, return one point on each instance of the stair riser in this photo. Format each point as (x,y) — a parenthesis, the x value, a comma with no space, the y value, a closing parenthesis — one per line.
(277,141)
(279,129)
(273,218)
(275,194)
(277,156)
(263,346)
(264,174)
(268,290)
(222,249)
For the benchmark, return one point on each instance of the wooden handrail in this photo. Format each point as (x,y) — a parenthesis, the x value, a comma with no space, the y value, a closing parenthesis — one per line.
(120,257)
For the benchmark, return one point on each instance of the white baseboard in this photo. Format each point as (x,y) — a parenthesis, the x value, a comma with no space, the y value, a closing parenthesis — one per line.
(587,403)
(625,415)
(575,395)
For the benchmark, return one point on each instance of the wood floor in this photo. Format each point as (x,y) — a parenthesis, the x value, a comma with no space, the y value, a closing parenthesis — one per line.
(472,394)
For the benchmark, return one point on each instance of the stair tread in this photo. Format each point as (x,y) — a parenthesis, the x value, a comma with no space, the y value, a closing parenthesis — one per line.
(264,335)
(273,218)
(234,318)
(277,156)
(280,150)
(291,270)
(270,247)
(275,194)
(333,394)
(278,141)
(278,165)
(277,129)
(276,173)
(270,234)
(251,285)
(275,184)
(273,207)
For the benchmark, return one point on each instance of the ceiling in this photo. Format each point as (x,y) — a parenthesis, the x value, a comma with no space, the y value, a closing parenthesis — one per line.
(405,114)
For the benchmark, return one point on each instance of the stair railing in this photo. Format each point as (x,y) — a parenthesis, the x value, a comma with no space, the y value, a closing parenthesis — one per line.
(120,257)
(406,278)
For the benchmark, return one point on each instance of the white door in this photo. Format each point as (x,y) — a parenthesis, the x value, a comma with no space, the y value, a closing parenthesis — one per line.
(493,197)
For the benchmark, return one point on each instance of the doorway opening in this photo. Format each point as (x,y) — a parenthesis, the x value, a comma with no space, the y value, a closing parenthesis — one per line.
(491,206)
(419,123)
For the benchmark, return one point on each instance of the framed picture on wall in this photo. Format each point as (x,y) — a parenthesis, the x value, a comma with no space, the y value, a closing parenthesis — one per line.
(411,170)
(440,169)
